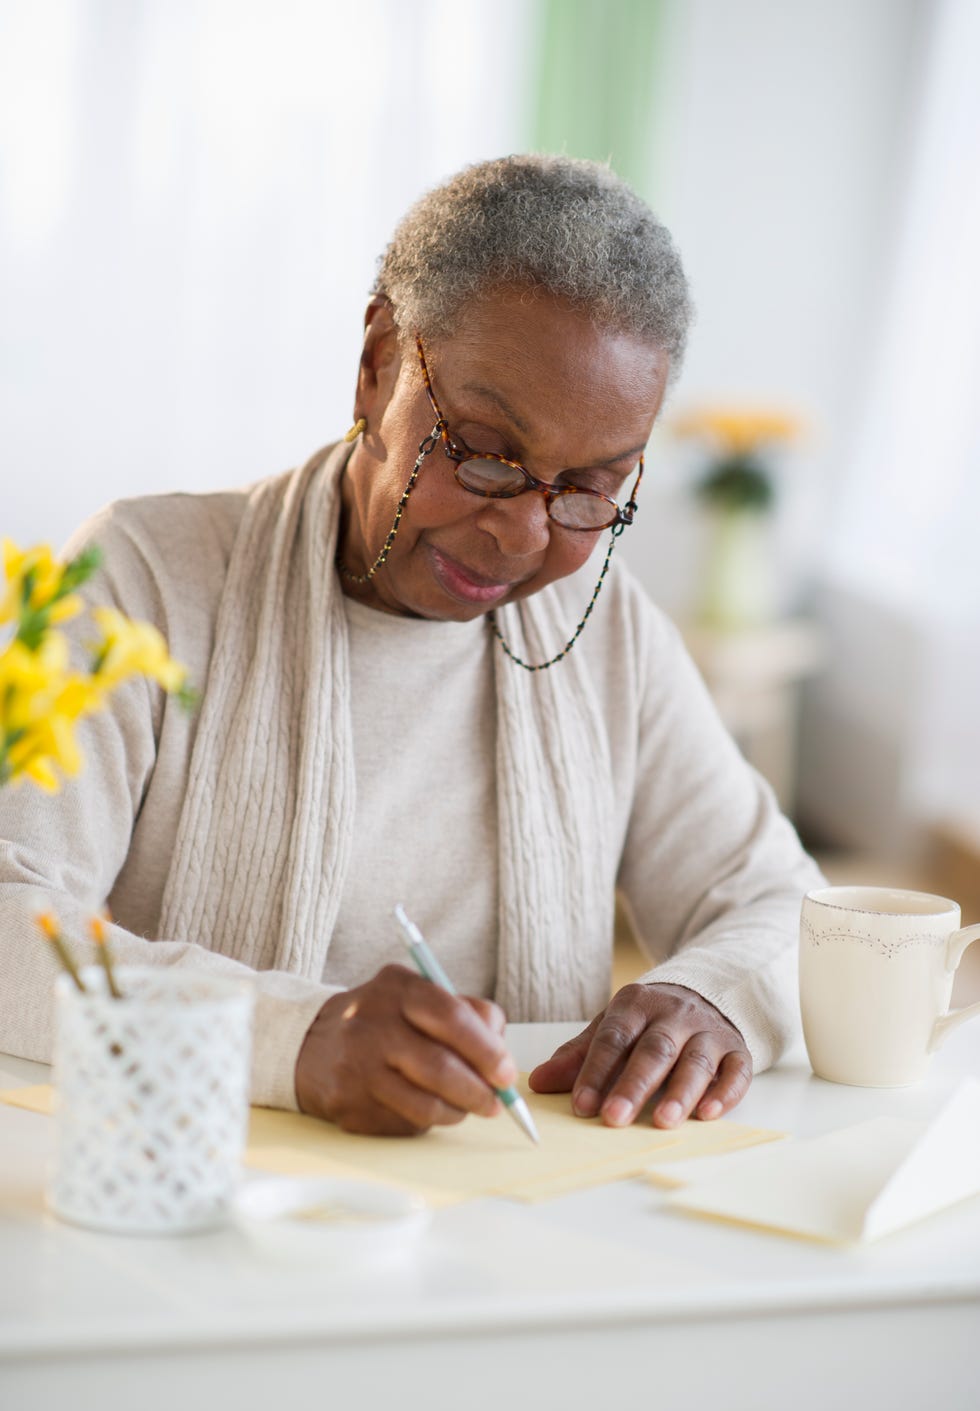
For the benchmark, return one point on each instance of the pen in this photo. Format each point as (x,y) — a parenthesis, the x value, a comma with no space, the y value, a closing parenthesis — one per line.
(430,969)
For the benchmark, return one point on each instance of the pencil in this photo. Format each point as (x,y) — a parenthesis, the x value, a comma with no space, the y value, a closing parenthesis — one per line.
(430,969)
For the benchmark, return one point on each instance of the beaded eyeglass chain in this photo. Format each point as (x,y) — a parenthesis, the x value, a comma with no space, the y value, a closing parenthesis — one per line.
(617,529)
(426,447)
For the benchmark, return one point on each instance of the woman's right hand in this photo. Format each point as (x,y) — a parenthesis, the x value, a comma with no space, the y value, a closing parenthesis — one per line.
(397,1055)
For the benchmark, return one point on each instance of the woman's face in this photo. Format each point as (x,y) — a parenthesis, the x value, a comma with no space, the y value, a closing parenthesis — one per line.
(522,376)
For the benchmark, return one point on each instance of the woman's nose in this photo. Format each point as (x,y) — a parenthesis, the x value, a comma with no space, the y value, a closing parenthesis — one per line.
(520,526)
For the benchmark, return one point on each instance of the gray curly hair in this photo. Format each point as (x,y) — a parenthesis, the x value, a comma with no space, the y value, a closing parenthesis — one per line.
(567,227)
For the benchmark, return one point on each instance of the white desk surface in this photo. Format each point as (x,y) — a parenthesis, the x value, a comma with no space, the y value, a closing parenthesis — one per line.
(599,1298)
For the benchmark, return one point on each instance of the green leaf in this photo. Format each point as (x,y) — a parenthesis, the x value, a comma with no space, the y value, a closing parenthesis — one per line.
(188,698)
(79,570)
(737,483)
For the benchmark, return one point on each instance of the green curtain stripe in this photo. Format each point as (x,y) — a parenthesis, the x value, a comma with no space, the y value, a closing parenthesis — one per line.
(597,83)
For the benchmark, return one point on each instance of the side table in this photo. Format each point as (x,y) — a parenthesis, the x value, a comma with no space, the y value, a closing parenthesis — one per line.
(754,675)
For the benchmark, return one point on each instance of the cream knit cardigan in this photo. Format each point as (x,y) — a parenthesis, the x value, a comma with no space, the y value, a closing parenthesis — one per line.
(265,832)
(223,838)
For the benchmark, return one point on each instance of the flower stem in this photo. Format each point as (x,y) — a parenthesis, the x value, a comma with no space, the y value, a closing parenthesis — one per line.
(97,929)
(49,926)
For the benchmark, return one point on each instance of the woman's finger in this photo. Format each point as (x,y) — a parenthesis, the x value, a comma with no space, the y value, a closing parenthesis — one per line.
(730,1085)
(692,1075)
(420,1109)
(620,1026)
(557,1074)
(491,1014)
(454,1023)
(653,1056)
(440,1072)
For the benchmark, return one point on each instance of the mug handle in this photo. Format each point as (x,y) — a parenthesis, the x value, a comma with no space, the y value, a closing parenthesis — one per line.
(956,944)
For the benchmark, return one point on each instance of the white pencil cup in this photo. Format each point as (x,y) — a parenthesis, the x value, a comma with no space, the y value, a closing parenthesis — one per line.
(151,1099)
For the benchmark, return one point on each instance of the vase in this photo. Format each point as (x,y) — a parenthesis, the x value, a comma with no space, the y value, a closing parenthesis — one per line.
(152,1099)
(737,587)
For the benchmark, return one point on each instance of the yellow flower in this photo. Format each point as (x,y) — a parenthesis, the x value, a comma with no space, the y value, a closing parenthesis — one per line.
(738,431)
(131,649)
(43,750)
(40,703)
(46,575)
(30,681)
(80,695)
(41,699)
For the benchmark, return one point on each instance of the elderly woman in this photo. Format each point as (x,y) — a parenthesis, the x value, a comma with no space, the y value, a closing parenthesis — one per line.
(423,679)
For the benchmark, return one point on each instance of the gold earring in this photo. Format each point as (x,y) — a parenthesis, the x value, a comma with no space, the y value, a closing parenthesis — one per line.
(360,426)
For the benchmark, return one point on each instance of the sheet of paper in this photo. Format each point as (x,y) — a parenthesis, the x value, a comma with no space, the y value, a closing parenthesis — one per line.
(476,1158)
(36,1099)
(940,1169)
(848,1186)
(668,1167)
(692,1139)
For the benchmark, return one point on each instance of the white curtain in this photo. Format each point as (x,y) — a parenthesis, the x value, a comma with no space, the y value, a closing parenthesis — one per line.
(906,534)
(910,512)
(193,196)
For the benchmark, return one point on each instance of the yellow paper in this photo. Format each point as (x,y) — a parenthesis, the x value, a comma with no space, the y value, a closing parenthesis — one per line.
(576,1179)
(478,1157)
(670,1168)
(36,1099)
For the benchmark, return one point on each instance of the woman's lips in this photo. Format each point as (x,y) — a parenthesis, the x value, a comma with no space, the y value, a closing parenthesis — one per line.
(463,583)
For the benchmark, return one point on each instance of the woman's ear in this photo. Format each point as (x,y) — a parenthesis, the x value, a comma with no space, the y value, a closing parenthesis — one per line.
(380,362)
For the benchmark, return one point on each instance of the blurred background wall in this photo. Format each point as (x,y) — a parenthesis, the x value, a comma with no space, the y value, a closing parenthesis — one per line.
(193,195)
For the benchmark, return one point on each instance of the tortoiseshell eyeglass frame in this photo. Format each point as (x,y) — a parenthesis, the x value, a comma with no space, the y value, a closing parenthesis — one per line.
(619,517)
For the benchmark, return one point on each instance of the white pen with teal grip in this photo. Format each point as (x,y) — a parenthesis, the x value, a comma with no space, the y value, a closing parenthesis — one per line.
(430,969)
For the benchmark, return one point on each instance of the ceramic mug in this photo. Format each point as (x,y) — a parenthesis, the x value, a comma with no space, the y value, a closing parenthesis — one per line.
(876,976)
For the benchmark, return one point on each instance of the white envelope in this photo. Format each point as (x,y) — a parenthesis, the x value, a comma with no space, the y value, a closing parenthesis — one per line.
(848,1186)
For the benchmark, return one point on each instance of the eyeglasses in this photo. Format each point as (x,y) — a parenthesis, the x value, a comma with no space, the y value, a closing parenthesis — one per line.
(497,478)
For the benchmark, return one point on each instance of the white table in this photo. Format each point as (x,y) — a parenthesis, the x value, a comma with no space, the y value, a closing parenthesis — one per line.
(602,1298)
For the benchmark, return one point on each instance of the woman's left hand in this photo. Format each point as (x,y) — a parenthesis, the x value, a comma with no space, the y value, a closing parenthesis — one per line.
(650,1038)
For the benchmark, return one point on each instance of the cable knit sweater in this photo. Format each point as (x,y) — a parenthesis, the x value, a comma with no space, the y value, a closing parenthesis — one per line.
(646,792)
